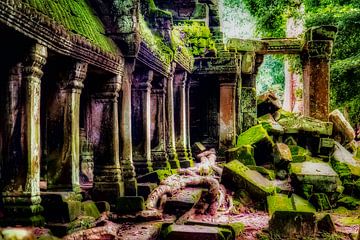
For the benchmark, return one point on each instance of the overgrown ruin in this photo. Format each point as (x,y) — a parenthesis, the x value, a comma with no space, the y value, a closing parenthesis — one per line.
(133,119)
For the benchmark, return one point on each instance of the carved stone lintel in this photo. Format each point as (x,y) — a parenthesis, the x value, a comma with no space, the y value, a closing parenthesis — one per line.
(320,49)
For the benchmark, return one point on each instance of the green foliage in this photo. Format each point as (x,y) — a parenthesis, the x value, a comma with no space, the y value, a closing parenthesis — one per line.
(271,75)
(196,37)
(155,42)
(78,17)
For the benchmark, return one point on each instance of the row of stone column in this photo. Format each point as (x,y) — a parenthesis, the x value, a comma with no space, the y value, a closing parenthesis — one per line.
(160,141)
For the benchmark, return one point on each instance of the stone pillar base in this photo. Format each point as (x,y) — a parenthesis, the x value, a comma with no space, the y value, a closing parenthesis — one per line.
(184,159)
(173,158)
(22,210)
(108,185)
(130,187)
(142,166)
(160,160)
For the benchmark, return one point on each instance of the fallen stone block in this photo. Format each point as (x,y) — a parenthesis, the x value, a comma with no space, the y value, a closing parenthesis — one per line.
(244,154)
(267,103)
(199,147)
(269,174)
(155,176)
(236,228)
(320,201)
(103,206)
(299,154)
(291,217)
(344,163)
(182,201)
(237,176)
(282,154)
(342,127)
(349,202)
(320,175)
(263,144)
(193,232)
(144,189)
(89,208)
(294,123)
(129,204)
(325,224)
(270,125)
(141,231)
(326,146)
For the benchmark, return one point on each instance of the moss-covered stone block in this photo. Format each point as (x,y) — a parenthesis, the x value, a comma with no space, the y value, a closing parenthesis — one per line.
(290,217)
(326,224)
(89,208)
(182,201)
(267,103)
(103,206)
(156,176)
(282,154)
(345,163)
(294,123)
(263,144)
(349,202)
(17,234)
(129,204)
(299,154)
(270,125)
(67,207)
(244,154)
(318,174)
(238,176)
(320,201)
(193,232)
(269,174)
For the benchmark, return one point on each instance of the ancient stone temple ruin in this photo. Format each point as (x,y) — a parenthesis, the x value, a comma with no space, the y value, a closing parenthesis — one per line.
(98,96)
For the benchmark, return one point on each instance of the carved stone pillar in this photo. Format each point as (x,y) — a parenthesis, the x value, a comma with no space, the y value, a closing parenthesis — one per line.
(158,141)
(181,116)
(171,147)
(64,174)
(142,119)
(187,106)
(21,197)
(316,74)
(248,108)
(227,114)
(126,158)
(104,135)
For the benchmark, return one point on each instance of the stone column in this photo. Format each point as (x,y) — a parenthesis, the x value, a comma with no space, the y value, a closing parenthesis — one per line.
(171,147)
(126,160)
(142,120)
(188,142)
(158,142)
(227,115)
(180,106)
(21,197)
(66,174)
(104,135)
(316,74)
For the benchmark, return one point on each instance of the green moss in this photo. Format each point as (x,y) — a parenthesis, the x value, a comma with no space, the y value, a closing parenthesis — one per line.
(254,135)
(349,202)
(298,153)
(89,209)
(155,42)
(244,154)
(78,17)
(281,202)
(197,37)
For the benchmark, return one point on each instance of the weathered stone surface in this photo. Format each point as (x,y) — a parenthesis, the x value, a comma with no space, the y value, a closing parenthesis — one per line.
(89,208)
(290,217)
(269,124)
(320,201)
(319,175)
(155,176)
(349,202)
(326,146)
(267,103)
(67,209)
(236,228)
(193,232)
(293,123)
(130,204)
(282,154)
(237,176)
(326,224)
(183,200)
(269,174)
(144,189)
(244,154)
(199,147)
(263,144)
(299,154)
(342,127)
(141,231)
(344,163)
(17,234)
(103,206)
